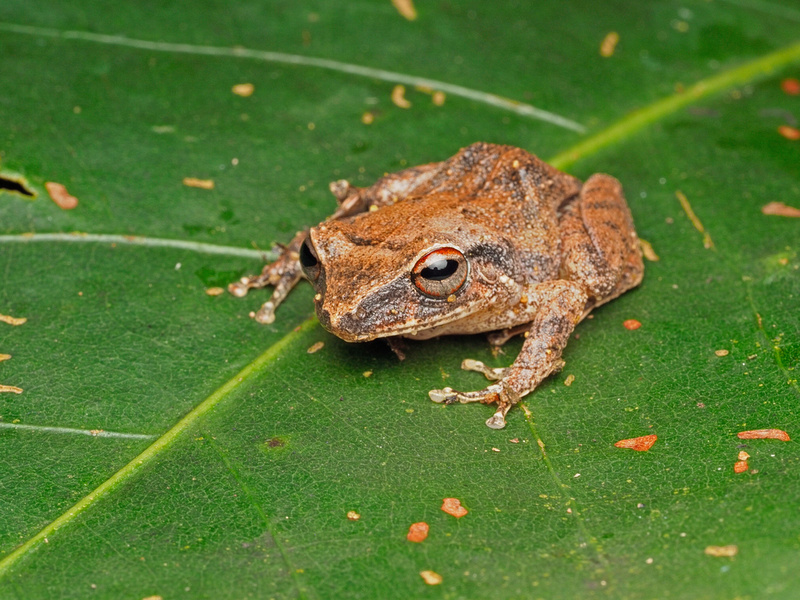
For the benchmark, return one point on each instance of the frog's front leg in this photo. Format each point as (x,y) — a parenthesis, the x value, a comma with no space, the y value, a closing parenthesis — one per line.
(284,274)
(560,305)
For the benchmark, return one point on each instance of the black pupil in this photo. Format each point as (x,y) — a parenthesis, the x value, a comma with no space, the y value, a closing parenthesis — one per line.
(439,269)
(307,258)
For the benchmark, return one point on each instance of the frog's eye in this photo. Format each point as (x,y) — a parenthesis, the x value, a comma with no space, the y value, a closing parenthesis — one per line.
(309,261)
(440,273)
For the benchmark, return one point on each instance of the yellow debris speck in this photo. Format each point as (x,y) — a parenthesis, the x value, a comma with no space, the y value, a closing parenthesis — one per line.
(406,9)
(10,388)
(243,89)
(315,347)
(353,515)
(13,320)
(729,550)
(431,577)
(438,98)
(722,352)
(609,44)
(568,381)
(367,118)
(367,373)
(205,184)
(215,291)
(399,97)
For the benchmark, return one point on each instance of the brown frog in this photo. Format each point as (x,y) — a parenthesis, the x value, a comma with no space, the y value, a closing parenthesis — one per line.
(490,240)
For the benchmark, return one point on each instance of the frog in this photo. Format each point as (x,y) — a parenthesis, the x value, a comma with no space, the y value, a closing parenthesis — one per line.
(492,240)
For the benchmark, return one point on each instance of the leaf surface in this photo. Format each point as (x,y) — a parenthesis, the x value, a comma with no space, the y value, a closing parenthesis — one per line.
(165,444)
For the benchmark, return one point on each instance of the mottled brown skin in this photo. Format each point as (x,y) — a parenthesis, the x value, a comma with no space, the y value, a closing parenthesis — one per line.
(541,250)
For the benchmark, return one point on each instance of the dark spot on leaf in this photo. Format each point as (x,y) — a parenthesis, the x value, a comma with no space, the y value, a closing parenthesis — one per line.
(14,186)
(275,443)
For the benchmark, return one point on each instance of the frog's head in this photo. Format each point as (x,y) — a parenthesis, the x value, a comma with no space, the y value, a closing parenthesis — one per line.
(398,271)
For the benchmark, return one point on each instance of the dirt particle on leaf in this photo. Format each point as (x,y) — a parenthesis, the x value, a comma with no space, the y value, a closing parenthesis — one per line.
(780,209)
(353,515)
(452,506)
(609,44)
(243,89)
(514,440)
(640,444)
(438,98)
(275,443)
(764,434)
(406,9)
(431,577)
(729,550)
(58,193)
(399,96)
(631,324)
(4,357)
(721,352)
(13,320)
(743,455)
(568,381)
(417,532)
(205,184)
(740,466)
(215,291)
(10,389)
(367,373)
(791,86)
(367,118)
(789,132)
(647,250)
(315,347)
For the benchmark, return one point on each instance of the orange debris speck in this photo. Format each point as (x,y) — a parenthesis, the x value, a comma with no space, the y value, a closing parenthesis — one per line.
(4,357)
(764,434)
(791,86)
(631,324)
(743,455)
(790,133)
(639,444)
(780,209)
(722,352)
(353,515)
(740,466)
(417,532)
(59,194)
(431,577)
(452,506)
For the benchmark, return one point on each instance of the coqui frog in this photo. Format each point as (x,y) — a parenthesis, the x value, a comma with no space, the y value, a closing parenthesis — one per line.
(490,240)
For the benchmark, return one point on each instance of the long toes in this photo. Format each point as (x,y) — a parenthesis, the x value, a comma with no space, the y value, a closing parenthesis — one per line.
(446,396)
(496,421)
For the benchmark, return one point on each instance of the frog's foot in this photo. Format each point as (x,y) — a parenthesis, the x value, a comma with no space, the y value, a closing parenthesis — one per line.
(498,393)
(284,274)
(500,337)
(475,365)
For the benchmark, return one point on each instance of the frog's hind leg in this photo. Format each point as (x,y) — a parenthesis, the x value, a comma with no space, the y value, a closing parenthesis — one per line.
(599,245)
(560,307)
(284,274)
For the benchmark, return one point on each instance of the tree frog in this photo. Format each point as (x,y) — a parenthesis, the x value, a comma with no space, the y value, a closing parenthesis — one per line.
(490,240)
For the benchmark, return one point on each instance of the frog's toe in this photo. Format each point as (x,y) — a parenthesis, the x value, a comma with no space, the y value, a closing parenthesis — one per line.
(445,396)
(492,374)
(496,421)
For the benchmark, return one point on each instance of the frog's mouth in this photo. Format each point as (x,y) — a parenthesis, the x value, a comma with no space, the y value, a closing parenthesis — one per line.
(368,322)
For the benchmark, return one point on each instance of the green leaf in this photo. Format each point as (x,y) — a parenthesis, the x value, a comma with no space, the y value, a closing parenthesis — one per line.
(166,444)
